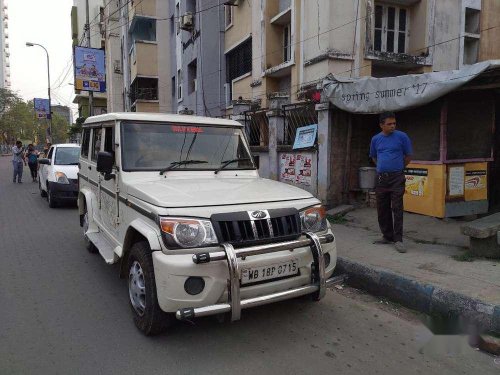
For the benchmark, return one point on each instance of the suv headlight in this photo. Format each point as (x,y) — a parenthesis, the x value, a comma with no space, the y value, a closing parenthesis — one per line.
(313,219)
(187,232)
(61,178)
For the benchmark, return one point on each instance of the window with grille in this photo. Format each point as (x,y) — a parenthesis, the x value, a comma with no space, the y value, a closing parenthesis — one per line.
(239,60)
(228,12)
(391,29)
(287,50)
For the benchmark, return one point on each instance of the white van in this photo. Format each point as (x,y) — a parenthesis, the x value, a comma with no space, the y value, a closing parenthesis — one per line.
(178,201)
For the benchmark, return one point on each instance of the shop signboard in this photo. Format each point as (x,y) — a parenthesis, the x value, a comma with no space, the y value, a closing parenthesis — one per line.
(90,72)
(305,136)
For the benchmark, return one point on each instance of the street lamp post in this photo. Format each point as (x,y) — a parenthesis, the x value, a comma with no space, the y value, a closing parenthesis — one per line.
(29,44)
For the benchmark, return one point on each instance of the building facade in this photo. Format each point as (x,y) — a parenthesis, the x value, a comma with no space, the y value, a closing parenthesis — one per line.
(4,46)
(197,66)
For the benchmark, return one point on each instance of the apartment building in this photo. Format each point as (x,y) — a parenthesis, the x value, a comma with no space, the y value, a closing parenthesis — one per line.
(288,46)
(198,68)
(145,56)
(97,40)
(4,46)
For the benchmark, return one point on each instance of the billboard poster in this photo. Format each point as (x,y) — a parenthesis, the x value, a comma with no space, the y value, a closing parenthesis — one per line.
(416,181)
(42,110)
(90,71)
(475,180)
(296,168)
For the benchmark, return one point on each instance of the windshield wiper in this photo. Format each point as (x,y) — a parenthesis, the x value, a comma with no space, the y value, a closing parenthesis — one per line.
(225,163)
(175,164)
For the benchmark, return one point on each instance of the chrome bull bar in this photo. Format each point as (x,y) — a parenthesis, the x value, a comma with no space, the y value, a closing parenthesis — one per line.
(235,304)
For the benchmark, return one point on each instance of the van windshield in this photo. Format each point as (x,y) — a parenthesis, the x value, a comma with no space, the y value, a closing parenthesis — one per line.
(67,156)
(156,146)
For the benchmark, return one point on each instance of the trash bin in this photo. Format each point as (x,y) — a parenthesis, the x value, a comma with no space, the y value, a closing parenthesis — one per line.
(367,178)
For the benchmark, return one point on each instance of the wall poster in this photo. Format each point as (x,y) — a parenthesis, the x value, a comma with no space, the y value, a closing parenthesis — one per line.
(296,168)
(416,181)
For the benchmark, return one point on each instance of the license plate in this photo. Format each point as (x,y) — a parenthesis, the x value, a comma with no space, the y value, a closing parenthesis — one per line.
(268,272)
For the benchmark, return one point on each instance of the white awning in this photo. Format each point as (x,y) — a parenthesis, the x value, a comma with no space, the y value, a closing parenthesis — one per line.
(376,95)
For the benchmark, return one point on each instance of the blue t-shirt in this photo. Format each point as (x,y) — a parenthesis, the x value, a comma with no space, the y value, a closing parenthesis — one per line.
(390,150)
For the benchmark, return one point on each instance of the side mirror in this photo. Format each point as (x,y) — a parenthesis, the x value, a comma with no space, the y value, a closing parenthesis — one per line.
(105,161)
(44,161)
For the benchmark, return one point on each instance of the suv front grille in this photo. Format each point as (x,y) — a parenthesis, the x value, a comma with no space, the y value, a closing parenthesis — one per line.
(239,230)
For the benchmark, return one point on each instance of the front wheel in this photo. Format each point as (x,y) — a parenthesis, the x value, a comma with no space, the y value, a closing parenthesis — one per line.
(43,193)
(50,198)
(85,225)
(148,316)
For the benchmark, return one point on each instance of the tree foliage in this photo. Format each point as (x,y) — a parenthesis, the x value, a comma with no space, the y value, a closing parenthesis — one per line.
(17,121)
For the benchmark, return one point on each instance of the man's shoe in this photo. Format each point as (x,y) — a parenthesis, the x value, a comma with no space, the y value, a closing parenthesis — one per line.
(383,241)
(400,246)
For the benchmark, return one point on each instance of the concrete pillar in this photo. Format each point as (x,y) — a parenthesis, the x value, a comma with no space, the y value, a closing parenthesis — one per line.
(325,125)
(239,109)
(276,131)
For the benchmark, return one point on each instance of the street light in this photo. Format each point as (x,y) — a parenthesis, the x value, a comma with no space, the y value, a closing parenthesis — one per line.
(29,44)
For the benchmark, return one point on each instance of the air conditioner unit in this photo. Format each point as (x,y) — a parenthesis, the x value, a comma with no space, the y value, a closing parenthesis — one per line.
(186,21)
(232,2)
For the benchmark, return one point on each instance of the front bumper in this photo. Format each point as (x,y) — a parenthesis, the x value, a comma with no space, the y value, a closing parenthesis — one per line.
(64,191)
(221,272)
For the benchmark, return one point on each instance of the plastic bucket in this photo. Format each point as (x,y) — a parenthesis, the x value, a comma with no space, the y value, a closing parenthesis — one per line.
(367,178)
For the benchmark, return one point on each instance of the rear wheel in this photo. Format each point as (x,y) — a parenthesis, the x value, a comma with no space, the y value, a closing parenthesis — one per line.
(148,316)
(85,225)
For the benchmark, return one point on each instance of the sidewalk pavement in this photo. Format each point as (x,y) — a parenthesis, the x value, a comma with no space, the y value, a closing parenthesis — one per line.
(426,278)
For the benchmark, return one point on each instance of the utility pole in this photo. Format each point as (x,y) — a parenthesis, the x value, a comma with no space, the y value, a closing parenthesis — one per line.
(87,30)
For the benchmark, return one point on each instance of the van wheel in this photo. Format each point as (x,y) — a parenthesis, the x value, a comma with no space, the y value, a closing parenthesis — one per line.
(85,225)
(148,316)
(43,193)
(50,198)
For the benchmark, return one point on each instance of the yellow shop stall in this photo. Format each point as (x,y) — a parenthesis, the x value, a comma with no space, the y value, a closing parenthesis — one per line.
(450,178)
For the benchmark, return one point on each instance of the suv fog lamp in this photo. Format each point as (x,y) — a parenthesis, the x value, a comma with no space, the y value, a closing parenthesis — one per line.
(187,233)
(313,219)
(194,285)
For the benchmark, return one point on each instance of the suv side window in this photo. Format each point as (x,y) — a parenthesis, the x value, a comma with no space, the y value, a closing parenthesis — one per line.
(109,144)
(85,142)
(51,151)
(96,143)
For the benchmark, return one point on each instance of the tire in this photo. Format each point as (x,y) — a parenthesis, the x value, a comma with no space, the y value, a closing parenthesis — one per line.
(85,225)
(43,193)
(149,318)
(50,198)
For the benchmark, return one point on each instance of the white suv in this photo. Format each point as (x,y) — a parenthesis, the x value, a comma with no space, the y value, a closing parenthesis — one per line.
(178,201)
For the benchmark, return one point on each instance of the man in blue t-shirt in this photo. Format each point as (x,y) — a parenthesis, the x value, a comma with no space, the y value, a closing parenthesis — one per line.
(391,152)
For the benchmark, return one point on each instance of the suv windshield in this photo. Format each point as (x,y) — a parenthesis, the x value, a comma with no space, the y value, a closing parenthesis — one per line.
(67,156)
(156,146)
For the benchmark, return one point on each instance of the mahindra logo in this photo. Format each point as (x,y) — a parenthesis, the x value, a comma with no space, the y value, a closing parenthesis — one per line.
(258,214)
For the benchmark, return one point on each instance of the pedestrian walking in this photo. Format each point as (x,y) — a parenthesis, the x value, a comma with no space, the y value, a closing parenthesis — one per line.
(391,152)
(17,161)
(32,157)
